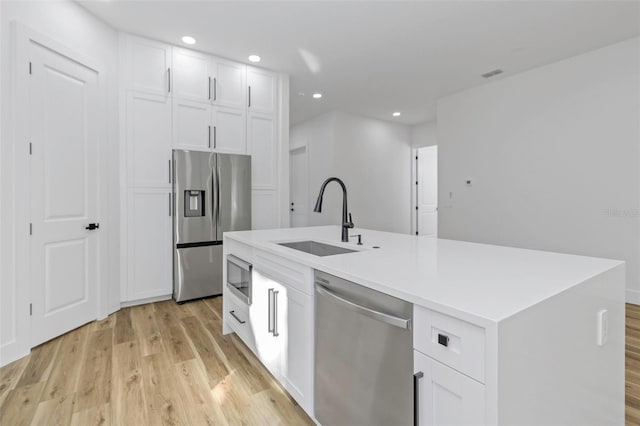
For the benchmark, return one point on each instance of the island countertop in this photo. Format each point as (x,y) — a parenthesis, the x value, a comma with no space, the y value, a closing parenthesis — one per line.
(480,282)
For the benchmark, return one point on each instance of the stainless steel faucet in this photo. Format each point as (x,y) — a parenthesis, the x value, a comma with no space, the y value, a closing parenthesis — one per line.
(346,223)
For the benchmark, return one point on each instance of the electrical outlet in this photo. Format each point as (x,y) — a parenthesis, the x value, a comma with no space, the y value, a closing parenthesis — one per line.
(603,327)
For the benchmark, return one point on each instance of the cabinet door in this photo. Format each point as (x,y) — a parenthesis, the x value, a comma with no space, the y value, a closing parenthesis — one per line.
(229,134)
(297,362)
(268,342)
(192,127)
(261,144)
(262,90)
(264,209)
(147,65)
(445,396)
(149,244)
(148,130)
(230,84)
(191,75)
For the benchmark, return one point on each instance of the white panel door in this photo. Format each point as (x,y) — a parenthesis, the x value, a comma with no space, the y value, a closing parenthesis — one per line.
(261,145)
(148,127)
(63,190)
(428,191)
(150,266)
(191,76)
(447,397)
(149,64)
(299,187)
(263,209)
(229,131)
(262,90)
(230,84)
(192,127)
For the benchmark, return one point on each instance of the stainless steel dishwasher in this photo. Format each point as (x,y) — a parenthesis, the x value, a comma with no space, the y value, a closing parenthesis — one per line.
(363,355)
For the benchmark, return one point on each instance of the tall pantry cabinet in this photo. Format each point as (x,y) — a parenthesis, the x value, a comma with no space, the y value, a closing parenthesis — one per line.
(176,98)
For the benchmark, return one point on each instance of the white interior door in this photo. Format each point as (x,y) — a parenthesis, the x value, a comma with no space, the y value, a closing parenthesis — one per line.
(63,193)
(298,187)
(427,191)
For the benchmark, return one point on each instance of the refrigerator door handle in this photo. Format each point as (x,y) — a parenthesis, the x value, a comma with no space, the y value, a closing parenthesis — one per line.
(214,205)
(218,196)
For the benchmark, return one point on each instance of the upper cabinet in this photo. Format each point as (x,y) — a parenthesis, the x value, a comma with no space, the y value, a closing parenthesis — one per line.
(148,66)
(191,75)
(261,90)
(229,84)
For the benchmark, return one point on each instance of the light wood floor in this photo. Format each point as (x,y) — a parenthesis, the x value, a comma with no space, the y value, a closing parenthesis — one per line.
(155,364)
(168,364)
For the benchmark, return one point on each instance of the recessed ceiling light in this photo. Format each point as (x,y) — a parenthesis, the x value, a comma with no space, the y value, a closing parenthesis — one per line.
(317,95)
(188,40)
(254,58)
(396,114)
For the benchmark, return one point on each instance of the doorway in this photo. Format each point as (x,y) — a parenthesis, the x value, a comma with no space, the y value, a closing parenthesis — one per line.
(426,191)
(299,187)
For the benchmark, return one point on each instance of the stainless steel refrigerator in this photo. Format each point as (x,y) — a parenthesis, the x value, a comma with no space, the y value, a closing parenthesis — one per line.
(212,195)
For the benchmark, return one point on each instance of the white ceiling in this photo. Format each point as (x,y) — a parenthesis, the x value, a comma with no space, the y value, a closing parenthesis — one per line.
(373,58)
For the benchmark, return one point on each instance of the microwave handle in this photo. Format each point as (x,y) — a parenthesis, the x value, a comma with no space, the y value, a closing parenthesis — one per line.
(239,263)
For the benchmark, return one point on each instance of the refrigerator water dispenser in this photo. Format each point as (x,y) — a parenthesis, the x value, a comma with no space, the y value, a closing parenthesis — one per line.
(193,203)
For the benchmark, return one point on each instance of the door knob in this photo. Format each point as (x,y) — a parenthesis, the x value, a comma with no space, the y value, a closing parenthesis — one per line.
(92,226)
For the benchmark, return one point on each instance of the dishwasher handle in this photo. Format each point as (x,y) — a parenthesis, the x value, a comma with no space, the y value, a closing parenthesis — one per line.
(376,315)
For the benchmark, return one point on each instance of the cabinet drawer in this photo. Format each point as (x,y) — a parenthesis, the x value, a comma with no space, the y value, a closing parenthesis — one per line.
(456,343)
(237,317)
(285,272)
(445,396)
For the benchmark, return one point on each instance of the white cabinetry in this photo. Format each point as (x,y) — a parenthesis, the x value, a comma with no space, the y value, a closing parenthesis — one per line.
(449,360)
(175,98)
(445,396)
(280,321)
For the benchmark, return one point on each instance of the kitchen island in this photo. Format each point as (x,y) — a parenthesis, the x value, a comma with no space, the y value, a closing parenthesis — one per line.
(536,337)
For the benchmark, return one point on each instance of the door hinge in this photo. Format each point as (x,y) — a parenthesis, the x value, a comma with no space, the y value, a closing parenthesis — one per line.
(30,309)
(30,228)
(416,157)
(416,182)
(416,232)
(416,207)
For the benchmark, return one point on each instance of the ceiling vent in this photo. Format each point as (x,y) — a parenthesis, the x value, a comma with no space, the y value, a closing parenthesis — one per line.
(492,73)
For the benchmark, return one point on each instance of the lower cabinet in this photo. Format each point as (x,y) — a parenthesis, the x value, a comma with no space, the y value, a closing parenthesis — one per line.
(445,396)
(149,245)
(281,319)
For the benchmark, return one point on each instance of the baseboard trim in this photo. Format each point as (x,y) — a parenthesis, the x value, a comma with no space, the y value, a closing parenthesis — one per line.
(129,303)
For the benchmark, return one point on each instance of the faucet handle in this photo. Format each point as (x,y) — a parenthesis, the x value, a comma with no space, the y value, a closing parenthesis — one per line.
(350,223)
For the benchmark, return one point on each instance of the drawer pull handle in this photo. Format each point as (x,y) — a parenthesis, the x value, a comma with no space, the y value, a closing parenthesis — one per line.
(237,319)
(443,339)
(416,397)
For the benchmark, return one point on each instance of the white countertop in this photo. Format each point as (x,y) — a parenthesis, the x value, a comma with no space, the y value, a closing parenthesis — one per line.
(478,282)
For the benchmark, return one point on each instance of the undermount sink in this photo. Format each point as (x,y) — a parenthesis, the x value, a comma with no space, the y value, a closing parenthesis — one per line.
(316,248)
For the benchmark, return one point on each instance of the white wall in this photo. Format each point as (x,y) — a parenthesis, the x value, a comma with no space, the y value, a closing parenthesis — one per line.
(70,25)
(554,158)
(424,134)
(372,157)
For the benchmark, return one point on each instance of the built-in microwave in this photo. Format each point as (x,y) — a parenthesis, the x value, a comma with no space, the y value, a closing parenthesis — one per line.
(239,278)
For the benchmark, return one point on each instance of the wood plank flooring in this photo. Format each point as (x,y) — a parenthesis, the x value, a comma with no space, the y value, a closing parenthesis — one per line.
(169,364)
(155,364)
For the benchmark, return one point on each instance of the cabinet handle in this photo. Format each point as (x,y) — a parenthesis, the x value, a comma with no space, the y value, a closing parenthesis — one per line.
(209,137)
(169,204)
(416,397)
(209,89)
(249,96)
(215,89)
(270,320)
(443,339)
(215,137)
(169,79)
(170,171)
(275,314)
(232,313)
